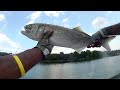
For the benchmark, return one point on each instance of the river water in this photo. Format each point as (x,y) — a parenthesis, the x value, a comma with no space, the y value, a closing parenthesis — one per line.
(96,69)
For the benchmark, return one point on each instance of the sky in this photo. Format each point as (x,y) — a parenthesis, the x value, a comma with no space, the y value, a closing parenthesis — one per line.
(12,22)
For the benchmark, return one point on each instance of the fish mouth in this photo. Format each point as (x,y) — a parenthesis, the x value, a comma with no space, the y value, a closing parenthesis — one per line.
(23,32)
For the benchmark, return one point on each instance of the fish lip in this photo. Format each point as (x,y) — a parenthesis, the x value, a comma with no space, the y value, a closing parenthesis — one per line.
(23,32)
(26,30)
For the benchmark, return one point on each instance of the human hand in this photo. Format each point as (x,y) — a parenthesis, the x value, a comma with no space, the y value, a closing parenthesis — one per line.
(44,45)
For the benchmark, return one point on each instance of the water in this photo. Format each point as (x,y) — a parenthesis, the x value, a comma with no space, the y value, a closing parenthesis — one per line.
(97,69)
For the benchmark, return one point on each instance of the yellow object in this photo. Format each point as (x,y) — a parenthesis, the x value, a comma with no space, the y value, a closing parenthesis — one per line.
(20,65)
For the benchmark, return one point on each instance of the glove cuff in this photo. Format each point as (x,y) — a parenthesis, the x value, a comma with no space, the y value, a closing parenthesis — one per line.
(44,50)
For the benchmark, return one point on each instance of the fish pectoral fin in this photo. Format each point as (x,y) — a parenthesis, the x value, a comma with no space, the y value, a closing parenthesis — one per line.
(79,50)
(78,29)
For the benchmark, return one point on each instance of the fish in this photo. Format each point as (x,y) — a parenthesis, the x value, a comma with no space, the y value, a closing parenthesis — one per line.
(73,38)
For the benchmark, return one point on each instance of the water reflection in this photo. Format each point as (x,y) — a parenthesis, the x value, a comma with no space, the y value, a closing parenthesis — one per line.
(97,69)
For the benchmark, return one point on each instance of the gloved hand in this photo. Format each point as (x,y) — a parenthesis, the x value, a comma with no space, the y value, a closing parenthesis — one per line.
(44,45)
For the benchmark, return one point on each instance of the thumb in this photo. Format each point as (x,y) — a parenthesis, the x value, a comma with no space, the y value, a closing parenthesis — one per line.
(47,34)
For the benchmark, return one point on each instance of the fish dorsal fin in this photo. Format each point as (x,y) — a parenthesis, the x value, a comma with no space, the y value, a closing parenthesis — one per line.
(78,29)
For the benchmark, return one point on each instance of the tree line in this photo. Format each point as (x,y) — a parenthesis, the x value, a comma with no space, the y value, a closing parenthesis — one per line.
(4,53)
(75,57)
(83,56)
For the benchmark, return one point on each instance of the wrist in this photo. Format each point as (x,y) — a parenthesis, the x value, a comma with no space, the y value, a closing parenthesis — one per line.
(44,50)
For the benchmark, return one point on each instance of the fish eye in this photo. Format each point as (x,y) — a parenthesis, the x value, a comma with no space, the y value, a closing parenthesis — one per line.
(28,27)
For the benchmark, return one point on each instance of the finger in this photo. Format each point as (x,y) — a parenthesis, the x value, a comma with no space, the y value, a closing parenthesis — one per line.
(48,34)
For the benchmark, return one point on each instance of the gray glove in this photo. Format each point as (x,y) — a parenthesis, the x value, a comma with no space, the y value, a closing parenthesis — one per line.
(44,45)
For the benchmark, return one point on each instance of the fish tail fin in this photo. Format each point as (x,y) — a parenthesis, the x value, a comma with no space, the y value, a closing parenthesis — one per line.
(106,46)
(106,41)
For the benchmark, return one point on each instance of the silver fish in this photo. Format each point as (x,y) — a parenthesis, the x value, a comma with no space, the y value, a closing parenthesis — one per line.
(64,37)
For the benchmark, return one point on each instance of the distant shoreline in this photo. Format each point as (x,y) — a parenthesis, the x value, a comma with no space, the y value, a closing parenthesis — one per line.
(75,57)
(68,61)
(84,56)
(62,61)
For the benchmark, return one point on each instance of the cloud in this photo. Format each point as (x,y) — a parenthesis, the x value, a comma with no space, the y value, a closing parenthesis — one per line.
(53,13)
(65,20)
(57,49)
(6,12)
(100,22)
(108,13)
(2,17)
(35,15)
(8,45)
(114,43)
(78,24)
(32,18)
(66,25)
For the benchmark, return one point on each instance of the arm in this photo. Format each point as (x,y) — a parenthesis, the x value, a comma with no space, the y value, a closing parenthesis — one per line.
(9,68)
(112,30)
